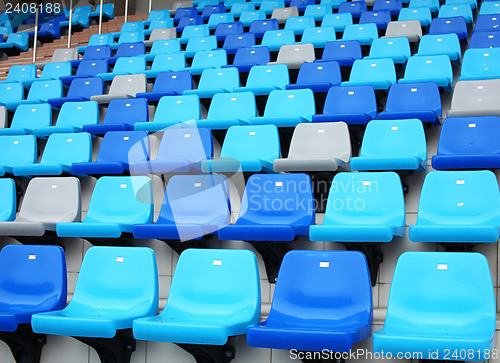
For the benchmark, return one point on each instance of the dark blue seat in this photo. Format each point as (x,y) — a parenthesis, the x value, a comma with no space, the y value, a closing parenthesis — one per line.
(318,76)
(381,18)
(121,115)
(344,52)
(80,89)
(187,21)
(87,68)
(212,9)
(393,6)
(485,39)
(301,4)
(246,58)
(225,29)
(455,25)
(185,13)
(94,52)
(168,84)
(305,315)
(128,50)
(234,42)
(259,27)
(353,7)
(487,22)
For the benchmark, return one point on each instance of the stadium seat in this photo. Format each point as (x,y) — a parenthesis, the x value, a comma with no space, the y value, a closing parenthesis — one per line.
(333,3)
(319,36)
(46,202)
(274,39)
(307,317)
(260,27)
(123,86)
(343,52)
(468,143)
(364,73)
(186,12)
(169,46)
(381,18)
(98,40)
(294,55)
(8,204)
(447,44)
(484,39)
(80,89)
(432,5)
(318,76)
(427,313)
(247,149)
(413,100)
(216,19)
(475,98)
(16,150)
(318,12)
(206,59)
(287,108)
(128,50)
(247,17)
(431,68)
(268,6)
(338,21)
(51,71)
(61,150)
(212,9)
(28,117)
(125,66)
(237,9)
(487,22)
(160,34)
(180,151)
(194,31)
(108,12)
(317,147)
(15,44)
(131,26)
(480,64)
(392,145)
(39,93)
(234,42)
(365,34)
(302,4)
(61,55)
(166,63)
(298,24)
(33,280)
(411,29)
(158,24)
(115,286)
(282,14)
(264,79)
(168,84)
(185,22)
(128,37)
(422,15)
(117,203)
(86,69)
(393,6)
(454,25)
(246,58)
(193,206)
(398,49)
(463,10)
(172,110)
(354,7)
(195,44)
(20,73)
(180,4)
(93,53)
(225,29)
(458,207)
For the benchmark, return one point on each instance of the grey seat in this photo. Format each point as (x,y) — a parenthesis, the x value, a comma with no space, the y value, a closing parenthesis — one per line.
(161,34)
(476,98)
(61,55)
(3,117)
(282,14)
(47,201)
(123,86)
(407,28)
(180,4)
(294,55)
(317,147)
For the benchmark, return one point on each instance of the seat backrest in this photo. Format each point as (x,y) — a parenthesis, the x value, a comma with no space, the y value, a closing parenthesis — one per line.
(191,31)
(124,146)
(237,41)
(348,300)
(114,279)
(101,39)
(19,73)
(260,27)
(33,277)
(364,70)
(273,75)
(293,53)
(166,46)
(201,43)
(130,65)
(481,63)
(86,87)
(299,23)
(132,26)
(439,44)
(298,102)
(446,277)
(43,90)
(404,28)
(269,5)
(169,62)
(414,97)
(486,22)
(78,114)
(255,142)
(209,59)
(318,11)
(274,38)
(241,106)
(193,145)
(19,39)
(8,203)
(18,150)
(186,12)
(57,69)
(195,20)
(345,52)
(130,49)
(455,25)
(346,100)
(237,9)
(370,199)
(173,82)
(67,149)
(247,17)
(178,108)
(354,7)
(448,11)
(159,15)
(476,98)
(282,14)
(337,21)
(225,29)
(216,19)
(121,199)
(321,140)
(131,37)
(11,92)
(32,116)
(91,68)
(162,34)
(256,56)
(484,39)
(381,18)
(459,198)
(212,9)
(97,51)
(387,47)
(226,284)
(128,84)
(225,78)
(318,35)
(51,200)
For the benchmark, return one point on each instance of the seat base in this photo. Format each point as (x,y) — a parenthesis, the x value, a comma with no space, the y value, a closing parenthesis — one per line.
(113,350)
(26,346)
(210,353)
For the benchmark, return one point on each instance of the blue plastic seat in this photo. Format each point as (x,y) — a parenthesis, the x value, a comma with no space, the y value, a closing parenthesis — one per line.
(298,24)
(269,5)
(172,110)
(206,59)
(480,64)
(115,286)
(318,12)
(447,44)
(53,70)
(168,84)
(28,117)
(231,299)
(187,12)
(487,22)
(468,143)
(80,89)
(248,17)
(378,73)
(393,6)
(381,18)
(39,92)
(455,25)
(353,105)
(214,81)
(216,19)
(237,9)
(188,21)
(287,108)
(458,207)
(169,46)
(166,63)
(306,316)
(463,10)
(117,203)
(365,34)
(8,203)
(225,29)
(262,80)
(319,36)
(93,52)
(121,115)
(33,280)
(50,31)
(343,52)
(194,31)
(484,39)
(80,17)
(398,49)
(125,65)
(247,149)
(301,4)
(319,77)
(432,68)
(234,42)
(131,26)
(428,311)
(212,9)
(392,145)
(260,27)
(20,73)
(128,50)
(15,44)
(377,212)
(413,100)
(274,39)
(180,151)
(333,3)
(108,11)
(128,37)
(432,5)
(423,15)
(98,40)
(195,44)
(337,21)
(159,24)
(273,221)
(354,7)
(17,150)
(86,69)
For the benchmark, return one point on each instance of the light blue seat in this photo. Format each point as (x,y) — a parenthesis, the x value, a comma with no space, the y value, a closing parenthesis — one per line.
(125,65)
(432,5)
(16,150)
(214,81)
(247,17)
(172,110)
(428,312)
(158,24)
(287,108)
(15,44)
(193,206)
(333,3)
(431,68)
(458,206)
(52,70)
(449,44)
(27,118)
(247,149)
(274,39)
(61,150)
(166,63)
(306,316)
(8,203)
(392,145)
(378,73)
(200,43)
(20,73)
(318,12)
(180,151)
(263,79)
(463,10)
(269,5)
(192,31)
(370,209)
(319,36)
(365,34)
(237,9)
(490,8)
(117,203)
(423,15)
(115,286)
(97,40)
(206,59)
(11,93)
(128,37)
(131,26)
(298,24)
(216,19)
(39,92)
(169,46)
(398,49)
(480,63)
(230,298)
(338,21)
(108,11)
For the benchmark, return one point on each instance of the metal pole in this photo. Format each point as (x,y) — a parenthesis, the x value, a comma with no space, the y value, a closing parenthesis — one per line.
(100,18)
(36,35)
(150,4)
(126,10)
(70,21)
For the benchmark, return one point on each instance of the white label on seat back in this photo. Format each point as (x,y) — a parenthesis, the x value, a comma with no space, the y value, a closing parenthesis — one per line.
(16,142)
(324,264)
(119,259)
(442,266)
(366,182)
(217,262)
(173,77)
(321,131)
(197,185)
(320,68)
(123,186)
(233,98)
(460,181)
(461,204)
(54,186)
(127,104)
(179,102)
(291,96)
(251,133)
(187,135)
(394,128)
(80,107)
(33,110)
(126,138)
(350,93)
(31,257)
(69,140)
(278,184)
(472,125)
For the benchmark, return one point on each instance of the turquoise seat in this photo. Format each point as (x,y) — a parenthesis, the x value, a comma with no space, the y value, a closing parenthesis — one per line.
(117,203)
(191,31)
(213,81)
(436,44)
(39,92)
(52,70)
(480,63)
(319,36)
(298,24)
(423,15)
(262,79)
(11,92)
(166,63)
(125,65)
(169,46)
(434,311)
(16,150)
(429,68)
(98,39)
(29,117)
(274,39)
(269,5)
(433,5)
(238,9)
(378,73)
(247,17)
(128,37)
(206,59)
(195,44)
(318,12)
(365,34)
(490,8)
(363,207)
(21,72)
(463,10)
(8,203)
(398,49)
(115,286)
(338,21)
(216,19)
(458,206)
(247,149)
(392,145)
